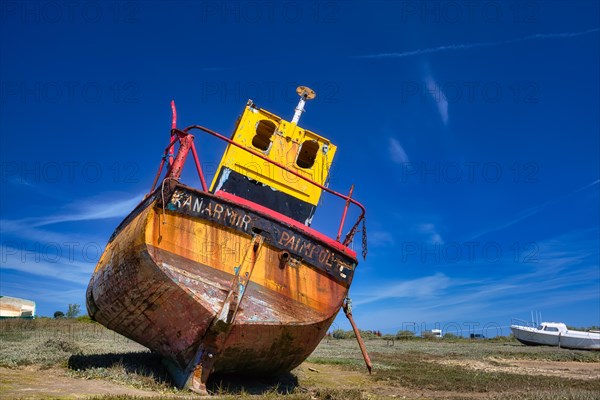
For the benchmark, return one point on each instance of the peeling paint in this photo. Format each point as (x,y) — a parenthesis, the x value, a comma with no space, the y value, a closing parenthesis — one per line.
(162,283)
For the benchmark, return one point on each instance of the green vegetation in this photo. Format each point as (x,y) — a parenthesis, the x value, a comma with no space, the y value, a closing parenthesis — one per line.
(342,334)
(589,328)
(85,318)
(411,367)
(451,336)
(73,311)
(419,371)
(406,335)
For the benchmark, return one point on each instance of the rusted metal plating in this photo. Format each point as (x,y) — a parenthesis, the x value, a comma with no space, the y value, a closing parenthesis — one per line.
(216,335)
(159,284)
(300,246)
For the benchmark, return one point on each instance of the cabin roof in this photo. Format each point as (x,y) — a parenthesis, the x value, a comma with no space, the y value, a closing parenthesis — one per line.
(16,300)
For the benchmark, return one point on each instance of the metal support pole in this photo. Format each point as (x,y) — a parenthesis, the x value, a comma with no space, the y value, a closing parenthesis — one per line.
(173,126)
(344,214)
(348,311)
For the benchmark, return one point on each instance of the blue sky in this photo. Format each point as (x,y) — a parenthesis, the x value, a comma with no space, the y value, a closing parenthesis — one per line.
(471,132)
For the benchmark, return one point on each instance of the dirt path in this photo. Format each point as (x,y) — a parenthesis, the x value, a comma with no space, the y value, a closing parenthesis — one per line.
(33,383)
(564,369)
(333,377)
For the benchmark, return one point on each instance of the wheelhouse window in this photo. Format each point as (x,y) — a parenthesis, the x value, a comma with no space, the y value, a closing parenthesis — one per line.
(264,131)
(308,154)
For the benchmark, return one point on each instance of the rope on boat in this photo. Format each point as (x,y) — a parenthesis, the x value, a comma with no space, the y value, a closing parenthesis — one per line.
(162,194)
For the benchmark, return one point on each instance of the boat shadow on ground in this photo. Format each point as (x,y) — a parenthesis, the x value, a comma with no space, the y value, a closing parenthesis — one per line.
(149,366)
(236,384)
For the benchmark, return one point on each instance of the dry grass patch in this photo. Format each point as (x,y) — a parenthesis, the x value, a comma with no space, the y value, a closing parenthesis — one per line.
(80,357)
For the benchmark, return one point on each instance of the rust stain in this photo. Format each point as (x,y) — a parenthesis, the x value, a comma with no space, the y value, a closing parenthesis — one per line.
(231,280)
(165,277)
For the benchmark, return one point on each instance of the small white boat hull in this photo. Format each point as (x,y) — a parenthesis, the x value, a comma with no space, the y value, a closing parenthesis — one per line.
(563,337)
(587,341)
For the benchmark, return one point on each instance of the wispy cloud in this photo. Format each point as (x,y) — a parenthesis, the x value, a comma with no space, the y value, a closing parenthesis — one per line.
(41,263)
(438,97)
(419,288)
(533,211)
(469,46)
(30,248)
(49,294)
(565,273)
(57,260)
(430,231)
(42,235)
(397,152)
(84,210)
(381,239)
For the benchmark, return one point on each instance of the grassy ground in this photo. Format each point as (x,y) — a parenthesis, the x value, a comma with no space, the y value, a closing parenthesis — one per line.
(68,359)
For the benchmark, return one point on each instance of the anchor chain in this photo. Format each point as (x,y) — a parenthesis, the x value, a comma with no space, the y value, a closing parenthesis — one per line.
(352,232)
(365,249)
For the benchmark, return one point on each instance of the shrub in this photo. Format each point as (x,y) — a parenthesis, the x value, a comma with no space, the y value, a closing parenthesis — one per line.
(342,334)
(365,334)
(73,311)
(338,334)
(404,334)
(85,318)
(428,335)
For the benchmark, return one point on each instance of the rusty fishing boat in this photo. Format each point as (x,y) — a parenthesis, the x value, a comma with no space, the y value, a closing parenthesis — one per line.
(231,278)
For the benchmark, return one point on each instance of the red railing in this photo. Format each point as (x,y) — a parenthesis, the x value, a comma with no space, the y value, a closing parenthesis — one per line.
(186,141)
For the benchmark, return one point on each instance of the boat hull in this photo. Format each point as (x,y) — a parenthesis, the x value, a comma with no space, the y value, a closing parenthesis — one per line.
(583,341)
(167,271)
(569,340)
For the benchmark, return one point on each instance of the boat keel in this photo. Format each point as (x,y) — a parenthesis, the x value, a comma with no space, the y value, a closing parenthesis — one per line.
(199,378)
(214,339)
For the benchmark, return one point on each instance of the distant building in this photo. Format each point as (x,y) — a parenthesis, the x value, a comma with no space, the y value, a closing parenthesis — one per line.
(434,333)
(12,307)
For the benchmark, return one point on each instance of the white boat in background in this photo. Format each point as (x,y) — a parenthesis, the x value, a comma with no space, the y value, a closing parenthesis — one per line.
(556,334)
